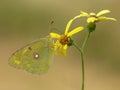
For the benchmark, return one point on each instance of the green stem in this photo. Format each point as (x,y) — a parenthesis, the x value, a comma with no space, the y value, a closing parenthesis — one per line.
(86,39)
(81,50)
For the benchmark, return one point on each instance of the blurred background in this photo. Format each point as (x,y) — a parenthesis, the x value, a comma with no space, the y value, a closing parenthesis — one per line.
(23,21)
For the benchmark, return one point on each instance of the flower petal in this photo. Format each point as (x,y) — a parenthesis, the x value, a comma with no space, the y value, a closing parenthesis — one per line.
(82,13)
(65,47)
(91,20)
(74,31)
(70,22)
(63,50)
(102,12)
(106,18)
(54,35)
(57,45)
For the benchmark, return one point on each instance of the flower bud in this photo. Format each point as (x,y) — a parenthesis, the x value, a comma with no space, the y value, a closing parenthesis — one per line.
(91,27)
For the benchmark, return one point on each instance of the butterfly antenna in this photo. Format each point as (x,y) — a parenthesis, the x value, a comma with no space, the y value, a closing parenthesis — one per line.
(50,27)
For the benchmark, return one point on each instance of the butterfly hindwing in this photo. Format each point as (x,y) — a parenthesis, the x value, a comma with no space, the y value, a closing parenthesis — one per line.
(35,58)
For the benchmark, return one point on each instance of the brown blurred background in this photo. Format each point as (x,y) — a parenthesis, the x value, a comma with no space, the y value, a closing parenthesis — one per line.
(22,21)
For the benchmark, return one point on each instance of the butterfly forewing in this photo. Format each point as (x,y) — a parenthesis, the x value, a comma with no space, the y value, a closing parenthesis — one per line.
(35,57)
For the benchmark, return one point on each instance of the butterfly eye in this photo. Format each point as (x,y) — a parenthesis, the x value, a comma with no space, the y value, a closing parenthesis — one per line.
(36,55)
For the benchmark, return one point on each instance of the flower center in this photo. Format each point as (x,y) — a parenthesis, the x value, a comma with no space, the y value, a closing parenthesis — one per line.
(64,39)
(93,15)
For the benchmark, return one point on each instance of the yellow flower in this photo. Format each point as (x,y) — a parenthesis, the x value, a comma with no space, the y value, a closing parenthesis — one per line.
(62,40)
(93,17)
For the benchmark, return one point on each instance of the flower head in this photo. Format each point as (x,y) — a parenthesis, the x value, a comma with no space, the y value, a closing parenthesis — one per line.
(63,40)
(93,17)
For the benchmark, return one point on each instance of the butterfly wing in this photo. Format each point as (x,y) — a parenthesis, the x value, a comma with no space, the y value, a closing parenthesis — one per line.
(35,58)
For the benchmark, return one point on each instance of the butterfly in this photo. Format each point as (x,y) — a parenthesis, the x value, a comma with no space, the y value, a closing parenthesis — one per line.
(35,57)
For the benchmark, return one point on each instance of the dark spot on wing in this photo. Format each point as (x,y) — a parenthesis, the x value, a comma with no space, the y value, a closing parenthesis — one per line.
(29,48)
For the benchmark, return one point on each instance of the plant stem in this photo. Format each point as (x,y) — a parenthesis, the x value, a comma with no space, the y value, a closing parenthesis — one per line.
(86,39)
(81,50)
